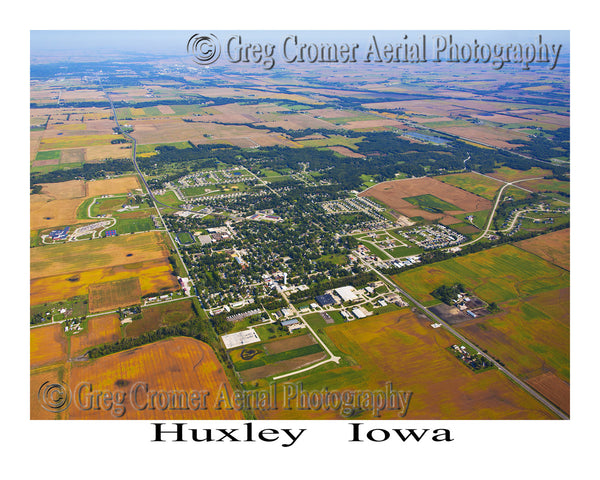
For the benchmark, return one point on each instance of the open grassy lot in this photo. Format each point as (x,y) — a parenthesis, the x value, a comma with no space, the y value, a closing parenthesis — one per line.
(161,315)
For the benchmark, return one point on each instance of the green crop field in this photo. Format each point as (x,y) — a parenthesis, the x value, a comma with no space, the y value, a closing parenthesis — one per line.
(431,203)
(496,275)
(471,182)
(48,155)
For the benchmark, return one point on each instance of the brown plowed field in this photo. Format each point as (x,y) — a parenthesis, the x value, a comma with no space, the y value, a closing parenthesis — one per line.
(279,367)
(554,389)
(554,247)
(289,344)
(392,193)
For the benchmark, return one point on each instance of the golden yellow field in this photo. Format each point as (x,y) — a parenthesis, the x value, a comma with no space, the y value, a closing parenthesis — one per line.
(103,329)
(112,186)
(401,347)
(48,344)
(182,364)
(65,270)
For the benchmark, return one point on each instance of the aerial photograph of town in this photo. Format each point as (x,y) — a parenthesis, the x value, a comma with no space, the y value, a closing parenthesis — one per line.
(302,225)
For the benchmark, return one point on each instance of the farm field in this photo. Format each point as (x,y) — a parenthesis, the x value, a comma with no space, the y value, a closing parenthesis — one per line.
(496,275)
(394,193)
(57,204)
(102,329)
(111,295)
(48,345)
(510,174)
(82,264)
(472,182)
(554,247)
(401,348)
(180,363)
(530,335)
(37,378)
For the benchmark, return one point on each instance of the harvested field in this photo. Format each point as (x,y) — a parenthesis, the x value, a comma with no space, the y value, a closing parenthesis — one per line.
(48,345)
(72,155)
(400,347)
(113,186)
(103,329)
(110,295)
(494,136)
(394,192)
(176,364)
(64,190)
(346,152)
(100,153)
(166,109)
(252,374)
(554,389)
(44,212)
(366,125)
(554,247)
(44,163)
(286,344)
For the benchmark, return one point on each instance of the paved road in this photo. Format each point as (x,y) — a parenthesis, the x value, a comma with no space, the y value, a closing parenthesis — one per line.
(498,198)
(503,369)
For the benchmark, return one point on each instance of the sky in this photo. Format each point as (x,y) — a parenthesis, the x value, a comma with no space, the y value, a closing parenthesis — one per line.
(173,42)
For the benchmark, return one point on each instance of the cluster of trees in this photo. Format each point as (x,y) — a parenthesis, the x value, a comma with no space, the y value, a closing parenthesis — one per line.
(448,293)
(87,171)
